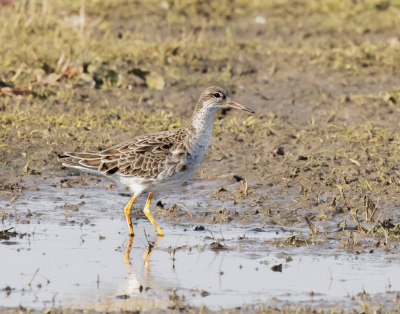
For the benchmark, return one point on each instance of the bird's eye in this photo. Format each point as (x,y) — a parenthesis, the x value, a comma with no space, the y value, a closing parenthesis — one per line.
(217,95)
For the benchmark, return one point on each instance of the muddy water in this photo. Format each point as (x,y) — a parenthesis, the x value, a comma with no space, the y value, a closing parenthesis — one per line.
(74,251)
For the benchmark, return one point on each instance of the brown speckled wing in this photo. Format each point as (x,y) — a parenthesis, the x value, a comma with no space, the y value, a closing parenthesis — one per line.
(147,156)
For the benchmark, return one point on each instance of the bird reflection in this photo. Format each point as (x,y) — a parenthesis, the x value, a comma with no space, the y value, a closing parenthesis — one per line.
(136,282)
(128,250)
(146,255)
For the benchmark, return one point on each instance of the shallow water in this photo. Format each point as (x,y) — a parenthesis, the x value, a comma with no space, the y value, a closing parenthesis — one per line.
(84,260)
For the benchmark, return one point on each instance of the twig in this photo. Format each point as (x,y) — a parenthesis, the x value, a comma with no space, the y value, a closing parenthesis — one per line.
(220,226)
(373,227)
(284,160)
(212,235)
(313,228)
(356,221)
(176,245)
(48,281)
(185,209)
(6,230)
(18,72)
(293,235)
(148,242)
(29,284)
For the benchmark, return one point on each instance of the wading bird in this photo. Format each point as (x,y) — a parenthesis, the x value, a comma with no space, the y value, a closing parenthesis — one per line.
(157,162)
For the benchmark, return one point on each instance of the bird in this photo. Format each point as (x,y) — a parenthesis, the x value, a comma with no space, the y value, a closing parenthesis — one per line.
(156,162)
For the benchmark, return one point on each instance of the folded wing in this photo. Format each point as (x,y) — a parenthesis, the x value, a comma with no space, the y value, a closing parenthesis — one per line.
(147,156)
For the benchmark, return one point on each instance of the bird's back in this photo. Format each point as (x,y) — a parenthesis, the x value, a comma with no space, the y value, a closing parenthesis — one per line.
(152,156)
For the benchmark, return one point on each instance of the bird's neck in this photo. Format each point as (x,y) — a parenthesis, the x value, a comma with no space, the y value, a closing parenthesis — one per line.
(202,120)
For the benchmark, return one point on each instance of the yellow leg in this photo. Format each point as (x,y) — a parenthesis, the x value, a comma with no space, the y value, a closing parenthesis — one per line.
(127,211)
(147,212)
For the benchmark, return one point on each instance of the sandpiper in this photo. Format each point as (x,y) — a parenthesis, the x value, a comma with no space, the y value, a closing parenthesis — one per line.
(157,162)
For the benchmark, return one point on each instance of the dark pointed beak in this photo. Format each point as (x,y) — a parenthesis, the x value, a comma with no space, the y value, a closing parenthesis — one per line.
(235,105)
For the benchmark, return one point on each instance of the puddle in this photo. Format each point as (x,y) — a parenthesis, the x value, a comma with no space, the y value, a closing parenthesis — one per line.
(84,260)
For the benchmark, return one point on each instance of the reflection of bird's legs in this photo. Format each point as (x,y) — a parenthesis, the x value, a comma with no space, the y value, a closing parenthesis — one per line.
(147,212)
(146,263)
(127,211)
(128,250)
(146,255)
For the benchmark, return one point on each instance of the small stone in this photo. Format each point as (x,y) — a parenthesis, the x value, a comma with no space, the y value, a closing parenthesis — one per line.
(260,20)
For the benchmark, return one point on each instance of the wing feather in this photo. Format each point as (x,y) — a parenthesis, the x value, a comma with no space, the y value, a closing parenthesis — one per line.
(148,156)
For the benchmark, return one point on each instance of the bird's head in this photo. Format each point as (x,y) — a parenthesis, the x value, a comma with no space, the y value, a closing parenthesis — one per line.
(214,98)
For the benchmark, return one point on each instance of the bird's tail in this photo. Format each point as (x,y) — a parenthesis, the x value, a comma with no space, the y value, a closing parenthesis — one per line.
(92,161)
(89,161)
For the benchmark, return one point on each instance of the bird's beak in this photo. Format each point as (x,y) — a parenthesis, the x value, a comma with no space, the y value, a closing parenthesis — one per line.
(235,105)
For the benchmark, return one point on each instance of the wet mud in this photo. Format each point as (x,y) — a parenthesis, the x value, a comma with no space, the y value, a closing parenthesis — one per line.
(67,245)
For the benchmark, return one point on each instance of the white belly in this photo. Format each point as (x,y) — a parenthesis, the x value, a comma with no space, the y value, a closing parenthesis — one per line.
(170,183)
(199,147)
